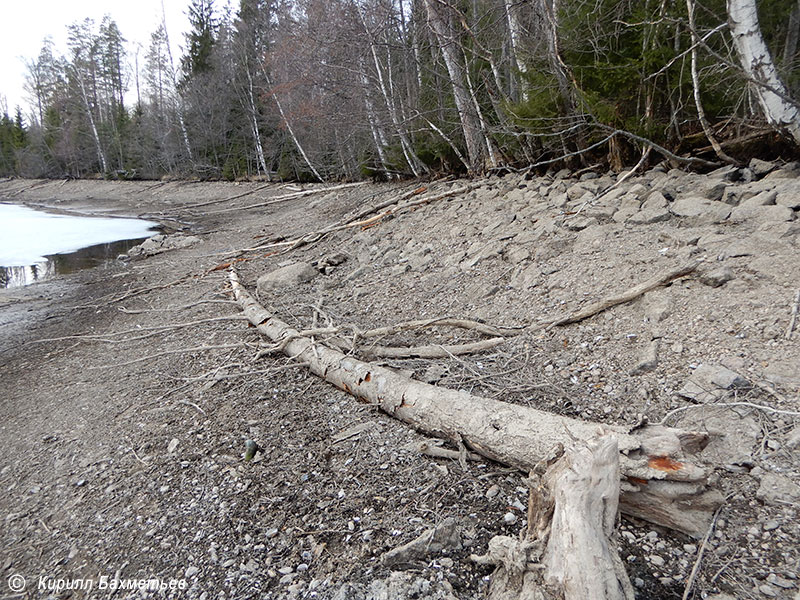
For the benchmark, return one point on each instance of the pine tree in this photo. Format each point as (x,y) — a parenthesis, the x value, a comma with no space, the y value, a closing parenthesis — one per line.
(200,39)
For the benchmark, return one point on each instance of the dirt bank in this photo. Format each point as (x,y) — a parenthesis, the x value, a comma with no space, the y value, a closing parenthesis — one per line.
(128,393)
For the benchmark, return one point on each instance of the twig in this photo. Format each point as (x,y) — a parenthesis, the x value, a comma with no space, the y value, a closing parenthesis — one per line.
(192,404)
(229,198)
(687,590)
(433,351)
(436,451)
(725,405)
(793,320)
(626,296)
(315,236)
(287,197)
(439,322)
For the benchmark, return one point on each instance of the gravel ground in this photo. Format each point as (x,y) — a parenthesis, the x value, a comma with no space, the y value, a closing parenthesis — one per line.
(129,391)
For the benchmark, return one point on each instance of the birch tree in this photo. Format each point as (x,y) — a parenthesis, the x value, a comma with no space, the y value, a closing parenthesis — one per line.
(779,110)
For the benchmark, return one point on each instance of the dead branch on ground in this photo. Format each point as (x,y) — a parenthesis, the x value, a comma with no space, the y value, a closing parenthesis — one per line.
(286,197)
(793,318)
(626,296)
(315,236)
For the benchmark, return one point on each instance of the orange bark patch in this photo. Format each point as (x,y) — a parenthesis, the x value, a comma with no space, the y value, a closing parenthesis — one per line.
(664,463)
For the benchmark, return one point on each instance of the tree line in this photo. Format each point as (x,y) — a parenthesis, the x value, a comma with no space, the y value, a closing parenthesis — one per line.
(345,89)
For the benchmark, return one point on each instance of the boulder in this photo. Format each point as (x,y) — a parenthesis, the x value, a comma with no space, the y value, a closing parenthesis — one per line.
(761,214)
(286,277)
(761,167)
(778,489)
(649,216)
(711,382)
(701,210)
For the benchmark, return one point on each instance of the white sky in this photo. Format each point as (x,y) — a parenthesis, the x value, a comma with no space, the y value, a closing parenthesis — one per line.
(28,22)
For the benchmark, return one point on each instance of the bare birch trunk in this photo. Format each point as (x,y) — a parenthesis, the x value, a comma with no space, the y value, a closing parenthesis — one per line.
(414,163)
(87,105)
(254,124)
(659,482)
(515,41)
(758,65)
(470,125)
(291,132)
(372,116)
(701,113)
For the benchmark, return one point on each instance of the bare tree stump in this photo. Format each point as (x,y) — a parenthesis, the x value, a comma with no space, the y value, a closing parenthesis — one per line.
(569,550)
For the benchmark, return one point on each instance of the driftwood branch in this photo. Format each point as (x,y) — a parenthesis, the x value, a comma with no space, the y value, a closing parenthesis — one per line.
(793,318)
(286,197)
(361,219)
(659,481)
(626,296)
(432,351)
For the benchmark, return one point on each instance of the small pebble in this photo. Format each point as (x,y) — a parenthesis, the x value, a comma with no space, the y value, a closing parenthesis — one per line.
(492,491)
(770,525)
(656,560)
(191,572)
(768,590)
(510,518)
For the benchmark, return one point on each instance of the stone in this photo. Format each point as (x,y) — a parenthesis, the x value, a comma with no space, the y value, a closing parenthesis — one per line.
(783,372)
(579,222)
(761,214)
(656,560)
(768,590)
(710,382)
(655,200)
(793,438)
(761,167)
(715,277)
(766,198)
(789,199)
(712,190)
(777,489)
(701,210)
(623,214)
(286,277)
(649,360)
(191,572)
(517,254)
(445,536)
(650,216)
(524,278)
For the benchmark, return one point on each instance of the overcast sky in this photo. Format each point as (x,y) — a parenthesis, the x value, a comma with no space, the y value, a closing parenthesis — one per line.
(28,22)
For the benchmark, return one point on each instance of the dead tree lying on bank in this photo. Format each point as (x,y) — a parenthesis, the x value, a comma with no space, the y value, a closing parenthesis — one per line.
(659,481)
(580,473)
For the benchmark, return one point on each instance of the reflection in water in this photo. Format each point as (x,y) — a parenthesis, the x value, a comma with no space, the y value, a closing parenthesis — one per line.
(93,256)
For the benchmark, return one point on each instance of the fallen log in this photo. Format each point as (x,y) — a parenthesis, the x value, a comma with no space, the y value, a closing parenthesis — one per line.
(659,482)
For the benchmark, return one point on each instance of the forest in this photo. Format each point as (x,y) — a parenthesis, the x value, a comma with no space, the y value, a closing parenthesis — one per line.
(324,90)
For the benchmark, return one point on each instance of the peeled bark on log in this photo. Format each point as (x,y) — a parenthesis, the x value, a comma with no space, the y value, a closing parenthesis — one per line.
(658,483)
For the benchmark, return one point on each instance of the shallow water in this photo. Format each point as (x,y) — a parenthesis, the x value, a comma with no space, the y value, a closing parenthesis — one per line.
(35,245)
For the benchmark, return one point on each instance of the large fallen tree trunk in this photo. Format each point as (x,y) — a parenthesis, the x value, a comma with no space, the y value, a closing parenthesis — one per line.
(659,482)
